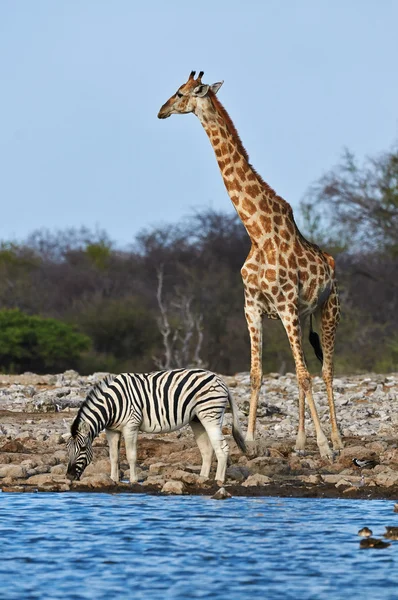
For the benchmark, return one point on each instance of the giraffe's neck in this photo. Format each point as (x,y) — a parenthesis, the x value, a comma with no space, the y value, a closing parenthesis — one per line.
(254,201)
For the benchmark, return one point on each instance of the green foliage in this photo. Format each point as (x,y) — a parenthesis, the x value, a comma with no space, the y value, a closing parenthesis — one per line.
(38,344)
(99,254)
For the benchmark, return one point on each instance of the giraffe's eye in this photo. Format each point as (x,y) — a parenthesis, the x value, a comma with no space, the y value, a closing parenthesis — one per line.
(179,94)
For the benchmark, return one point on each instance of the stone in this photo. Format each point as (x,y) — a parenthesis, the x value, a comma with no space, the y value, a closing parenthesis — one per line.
(221,494)
(238,473)
(395,509)
(257,479)
(156,480)
(58,469)
(343,483)
(12,446)
(96,481)
(13,471)
(361,452)
(158,468)
(24,435)
(45,479)
(313,479)
(387,478)
(173,487)
(95,468)
(189,478)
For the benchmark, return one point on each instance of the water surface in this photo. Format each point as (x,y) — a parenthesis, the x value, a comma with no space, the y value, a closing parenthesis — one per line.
(99,546)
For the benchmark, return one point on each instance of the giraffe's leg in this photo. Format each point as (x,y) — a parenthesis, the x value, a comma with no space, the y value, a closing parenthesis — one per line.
(130,437)
(254,324)
(113,438)
(205,447)
(291,323)
(330,317)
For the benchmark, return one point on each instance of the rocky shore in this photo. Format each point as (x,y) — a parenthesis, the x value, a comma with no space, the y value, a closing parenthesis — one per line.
(36,412)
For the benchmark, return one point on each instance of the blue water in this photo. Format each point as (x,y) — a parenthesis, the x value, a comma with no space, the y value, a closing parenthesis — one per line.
(98,546)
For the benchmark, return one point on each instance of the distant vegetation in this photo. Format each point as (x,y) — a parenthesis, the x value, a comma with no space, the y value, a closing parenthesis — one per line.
(71,299)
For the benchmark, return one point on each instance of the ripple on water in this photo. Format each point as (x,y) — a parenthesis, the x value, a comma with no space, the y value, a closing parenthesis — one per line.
(98,546)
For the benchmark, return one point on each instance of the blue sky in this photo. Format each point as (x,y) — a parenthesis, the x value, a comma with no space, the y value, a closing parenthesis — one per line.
(82,82)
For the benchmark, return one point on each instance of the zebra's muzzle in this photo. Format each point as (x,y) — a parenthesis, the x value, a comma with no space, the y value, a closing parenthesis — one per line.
(73,474)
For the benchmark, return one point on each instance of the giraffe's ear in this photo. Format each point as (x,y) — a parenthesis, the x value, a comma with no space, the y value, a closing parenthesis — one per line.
(216,86)
(201,90)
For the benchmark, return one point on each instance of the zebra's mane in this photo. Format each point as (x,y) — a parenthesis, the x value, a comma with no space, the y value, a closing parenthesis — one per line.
(91,397)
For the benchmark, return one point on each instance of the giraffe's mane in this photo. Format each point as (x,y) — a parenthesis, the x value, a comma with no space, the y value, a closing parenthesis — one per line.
(229,123)
(234,132)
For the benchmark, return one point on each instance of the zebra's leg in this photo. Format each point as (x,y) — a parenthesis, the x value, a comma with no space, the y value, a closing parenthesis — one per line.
(113,438)
(130,437)
(205,446)
(220,445)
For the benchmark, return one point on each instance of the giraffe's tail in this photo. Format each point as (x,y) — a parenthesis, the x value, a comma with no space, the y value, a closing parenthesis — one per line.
(315,342)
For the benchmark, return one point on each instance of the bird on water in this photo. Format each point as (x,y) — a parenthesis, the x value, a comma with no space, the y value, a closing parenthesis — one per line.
(365,532)
(371,542)
(391,532)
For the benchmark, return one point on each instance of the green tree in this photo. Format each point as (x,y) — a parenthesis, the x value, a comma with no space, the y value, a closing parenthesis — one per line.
(34,343)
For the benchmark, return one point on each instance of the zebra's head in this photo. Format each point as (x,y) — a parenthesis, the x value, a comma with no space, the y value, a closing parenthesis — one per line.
(80,452)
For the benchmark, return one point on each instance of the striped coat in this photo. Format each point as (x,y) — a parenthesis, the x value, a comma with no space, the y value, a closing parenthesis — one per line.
(154,402)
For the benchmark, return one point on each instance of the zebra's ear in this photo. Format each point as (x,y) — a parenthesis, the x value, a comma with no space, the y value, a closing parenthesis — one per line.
(84,428)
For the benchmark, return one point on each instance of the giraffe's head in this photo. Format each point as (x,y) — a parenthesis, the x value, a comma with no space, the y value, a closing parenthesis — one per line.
(192,96)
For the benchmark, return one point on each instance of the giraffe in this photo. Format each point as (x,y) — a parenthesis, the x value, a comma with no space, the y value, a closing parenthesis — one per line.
(284,276)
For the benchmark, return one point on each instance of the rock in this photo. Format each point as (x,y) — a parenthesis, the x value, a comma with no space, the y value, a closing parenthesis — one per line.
(61,456)
(343,483)
(56,439)
(42,468)
(96,481)
(257,479)
(221,494)
(387,478)
(361,452)
(24,435)
(395,509)
(313,479)
(158,468)
(100,466)
(45,479)
(189,478)
(156,480)
(173,487)
(12,446)
(238,473)
(58,470)
(13,471)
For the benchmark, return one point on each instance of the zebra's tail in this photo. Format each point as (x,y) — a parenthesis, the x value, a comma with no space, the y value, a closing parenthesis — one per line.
(236,431)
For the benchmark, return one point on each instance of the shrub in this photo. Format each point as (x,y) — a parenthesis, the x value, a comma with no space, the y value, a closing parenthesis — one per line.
(34,343)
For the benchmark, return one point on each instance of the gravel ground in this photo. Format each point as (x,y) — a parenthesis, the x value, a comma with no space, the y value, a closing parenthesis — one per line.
(36,412)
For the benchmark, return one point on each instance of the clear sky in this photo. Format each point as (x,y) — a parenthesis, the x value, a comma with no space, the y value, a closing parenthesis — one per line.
(82,82)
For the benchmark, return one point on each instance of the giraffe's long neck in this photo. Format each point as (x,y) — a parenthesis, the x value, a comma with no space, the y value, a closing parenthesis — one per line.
(253,199)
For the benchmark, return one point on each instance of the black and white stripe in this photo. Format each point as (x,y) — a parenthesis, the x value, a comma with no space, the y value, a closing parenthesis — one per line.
(154,402)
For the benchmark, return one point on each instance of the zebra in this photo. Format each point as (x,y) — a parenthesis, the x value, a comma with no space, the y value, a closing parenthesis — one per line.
(154,402)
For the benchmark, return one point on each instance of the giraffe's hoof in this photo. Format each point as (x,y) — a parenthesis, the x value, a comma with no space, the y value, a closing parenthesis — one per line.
(251,448)
(324,450)
(337,445)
